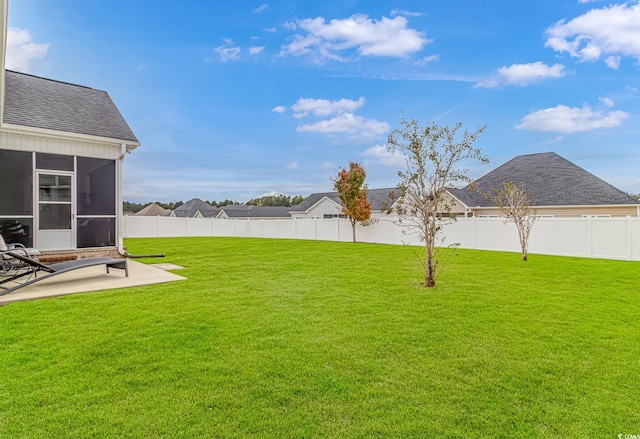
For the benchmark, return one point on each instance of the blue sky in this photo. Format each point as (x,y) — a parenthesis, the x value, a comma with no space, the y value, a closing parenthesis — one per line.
(238,99)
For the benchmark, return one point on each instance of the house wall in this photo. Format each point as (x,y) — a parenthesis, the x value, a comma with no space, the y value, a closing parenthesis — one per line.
(321,208)
(572,211)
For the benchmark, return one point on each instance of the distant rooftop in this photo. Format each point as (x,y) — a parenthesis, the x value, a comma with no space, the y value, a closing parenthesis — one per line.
(379,198)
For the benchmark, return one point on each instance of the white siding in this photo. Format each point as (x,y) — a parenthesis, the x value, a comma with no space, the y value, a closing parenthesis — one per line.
(24,142)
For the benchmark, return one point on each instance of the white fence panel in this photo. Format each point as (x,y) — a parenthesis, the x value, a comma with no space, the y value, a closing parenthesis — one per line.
(223,228)
(174,227)
(306,229)
(270,228)
(565,237)
(611,238)
(198,226)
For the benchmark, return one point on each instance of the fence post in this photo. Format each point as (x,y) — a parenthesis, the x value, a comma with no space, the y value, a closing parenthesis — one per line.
(589,237)
(628,236)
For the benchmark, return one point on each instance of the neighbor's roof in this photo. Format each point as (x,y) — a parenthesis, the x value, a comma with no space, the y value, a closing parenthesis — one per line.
(379,198)
(191,207)
(243,211)
(153,210)
(44,103)
(548,180)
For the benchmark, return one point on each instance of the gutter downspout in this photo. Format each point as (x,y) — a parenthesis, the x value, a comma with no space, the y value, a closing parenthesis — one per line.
(4,23)
(119,210)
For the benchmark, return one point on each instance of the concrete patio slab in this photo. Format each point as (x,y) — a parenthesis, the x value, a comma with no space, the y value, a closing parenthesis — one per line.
(92,279)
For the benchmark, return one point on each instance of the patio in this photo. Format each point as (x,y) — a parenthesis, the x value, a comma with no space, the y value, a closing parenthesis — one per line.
(94,279)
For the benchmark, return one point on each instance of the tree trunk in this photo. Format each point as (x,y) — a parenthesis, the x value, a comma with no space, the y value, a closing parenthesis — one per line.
(353,228)
(430,280)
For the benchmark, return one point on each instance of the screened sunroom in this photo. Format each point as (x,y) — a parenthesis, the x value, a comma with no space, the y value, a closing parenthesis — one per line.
(61,152)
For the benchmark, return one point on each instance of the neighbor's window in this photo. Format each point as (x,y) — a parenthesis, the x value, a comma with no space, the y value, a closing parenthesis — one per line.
(16,176)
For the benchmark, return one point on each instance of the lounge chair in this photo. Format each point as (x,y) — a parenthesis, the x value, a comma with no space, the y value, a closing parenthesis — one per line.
(27,270)
(7,263)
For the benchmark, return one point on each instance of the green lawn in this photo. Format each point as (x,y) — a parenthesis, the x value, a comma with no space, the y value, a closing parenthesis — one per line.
(280,338)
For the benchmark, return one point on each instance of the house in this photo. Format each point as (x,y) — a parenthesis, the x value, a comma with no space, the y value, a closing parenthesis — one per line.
(326,205)
(232,211)
(195,208)
(61,152)
(153,210)
(555,187)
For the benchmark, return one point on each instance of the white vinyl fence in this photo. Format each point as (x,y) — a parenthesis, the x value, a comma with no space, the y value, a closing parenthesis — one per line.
(607,238)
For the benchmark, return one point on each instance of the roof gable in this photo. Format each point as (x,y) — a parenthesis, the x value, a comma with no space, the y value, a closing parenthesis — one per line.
(549,180)
(38,102)
(192,207)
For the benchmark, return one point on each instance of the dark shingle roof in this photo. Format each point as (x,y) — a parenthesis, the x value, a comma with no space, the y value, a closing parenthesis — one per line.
(312,199)
(191,207)
(379,198)
(44,103)
(242,211)
(548,180)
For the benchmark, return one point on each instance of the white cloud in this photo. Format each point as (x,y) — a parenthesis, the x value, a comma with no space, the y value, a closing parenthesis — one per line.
(328,165)
(385,157)
(227,53)
(523,74)
(21,50)
(554,140)
(293,165)
(396,12)
(426,60)
(357,127)
(387,37)
(279,109)
(324,107)
(563,119)
(254,50)
(260,9)
(610,33)
(607,102)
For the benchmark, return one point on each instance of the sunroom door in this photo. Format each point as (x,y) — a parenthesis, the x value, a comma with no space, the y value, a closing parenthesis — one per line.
(56,212)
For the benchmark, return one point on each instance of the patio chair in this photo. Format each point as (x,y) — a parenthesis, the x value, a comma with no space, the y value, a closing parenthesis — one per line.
(8,263)
(29,271)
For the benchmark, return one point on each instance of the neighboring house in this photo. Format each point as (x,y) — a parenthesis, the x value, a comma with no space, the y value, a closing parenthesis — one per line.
(195,208)
(254,212)
(153,210)
(326,205)
(61,152)
(555,187)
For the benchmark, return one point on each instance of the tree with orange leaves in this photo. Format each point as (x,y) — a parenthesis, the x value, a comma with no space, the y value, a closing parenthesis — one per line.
(352,193)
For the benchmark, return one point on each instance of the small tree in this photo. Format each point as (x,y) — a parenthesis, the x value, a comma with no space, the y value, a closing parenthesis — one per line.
(514,203)
(352,193)
(433,157)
